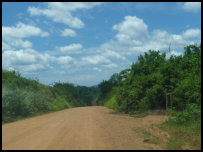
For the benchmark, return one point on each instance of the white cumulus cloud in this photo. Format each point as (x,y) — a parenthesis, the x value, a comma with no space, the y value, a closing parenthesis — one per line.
(68,32)
(133,38)
(174,53)
(96,59)
(22,31)
(61,12)
(14,35)
(97,69)
(64,60)
(72,48)
(26,60)
(132,29)
(192,33)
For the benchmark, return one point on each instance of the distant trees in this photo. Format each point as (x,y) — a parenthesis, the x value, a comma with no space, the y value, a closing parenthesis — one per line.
(105,87)
(80,95)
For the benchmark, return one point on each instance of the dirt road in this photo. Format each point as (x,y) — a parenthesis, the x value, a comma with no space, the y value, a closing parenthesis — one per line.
(93,127)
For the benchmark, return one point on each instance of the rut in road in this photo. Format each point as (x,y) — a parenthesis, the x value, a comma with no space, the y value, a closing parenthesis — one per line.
(79,128)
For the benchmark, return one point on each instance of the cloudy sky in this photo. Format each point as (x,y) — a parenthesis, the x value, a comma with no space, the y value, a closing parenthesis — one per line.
(85,42)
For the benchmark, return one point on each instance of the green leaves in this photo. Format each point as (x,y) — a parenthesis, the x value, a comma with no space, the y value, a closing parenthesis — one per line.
(23,97)
(76,95)
(191,113)
(188,91)
(144,86)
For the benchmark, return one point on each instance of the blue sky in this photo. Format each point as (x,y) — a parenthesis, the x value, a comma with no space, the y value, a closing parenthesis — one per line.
(85,42)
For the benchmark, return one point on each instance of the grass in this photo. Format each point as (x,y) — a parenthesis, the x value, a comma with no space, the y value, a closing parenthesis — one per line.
(183,137)
(154,140)
(174,143)
(149,138)
(146,133)
(139,114)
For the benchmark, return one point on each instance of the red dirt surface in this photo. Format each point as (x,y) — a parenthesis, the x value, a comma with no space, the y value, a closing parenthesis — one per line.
(82,128)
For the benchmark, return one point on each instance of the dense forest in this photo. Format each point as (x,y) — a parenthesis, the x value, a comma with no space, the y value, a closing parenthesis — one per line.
(23,97)
(144,86)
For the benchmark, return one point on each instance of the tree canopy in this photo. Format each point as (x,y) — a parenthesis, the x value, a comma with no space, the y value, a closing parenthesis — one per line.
(144,86)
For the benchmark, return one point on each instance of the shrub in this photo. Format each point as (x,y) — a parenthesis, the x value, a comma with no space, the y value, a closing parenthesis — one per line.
(188,91)
(190,114)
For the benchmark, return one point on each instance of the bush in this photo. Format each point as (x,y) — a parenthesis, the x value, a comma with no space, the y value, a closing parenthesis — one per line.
(144,105)
(189,115)
(58,104)
(110,99)
(155,97)
(12,105)
(188,91)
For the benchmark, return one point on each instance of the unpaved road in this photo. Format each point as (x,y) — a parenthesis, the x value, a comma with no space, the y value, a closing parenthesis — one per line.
(93,127)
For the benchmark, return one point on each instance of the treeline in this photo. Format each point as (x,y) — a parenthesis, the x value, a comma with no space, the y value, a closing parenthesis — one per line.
(144,86)
(23,97)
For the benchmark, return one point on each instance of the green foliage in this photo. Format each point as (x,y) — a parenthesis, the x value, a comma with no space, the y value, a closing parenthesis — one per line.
(23,97)
(191,114)
(58,104)
(184,128)
(141,89)
(128,99)
(144,86)
(154,99)
(174,143)
(77,95)
(188,91)
(105,87)
(114,79)
(110,100)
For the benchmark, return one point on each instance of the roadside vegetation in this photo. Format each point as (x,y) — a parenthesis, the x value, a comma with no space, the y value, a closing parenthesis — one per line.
(144,86)
(22,98)
(137,90)
(184,128)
